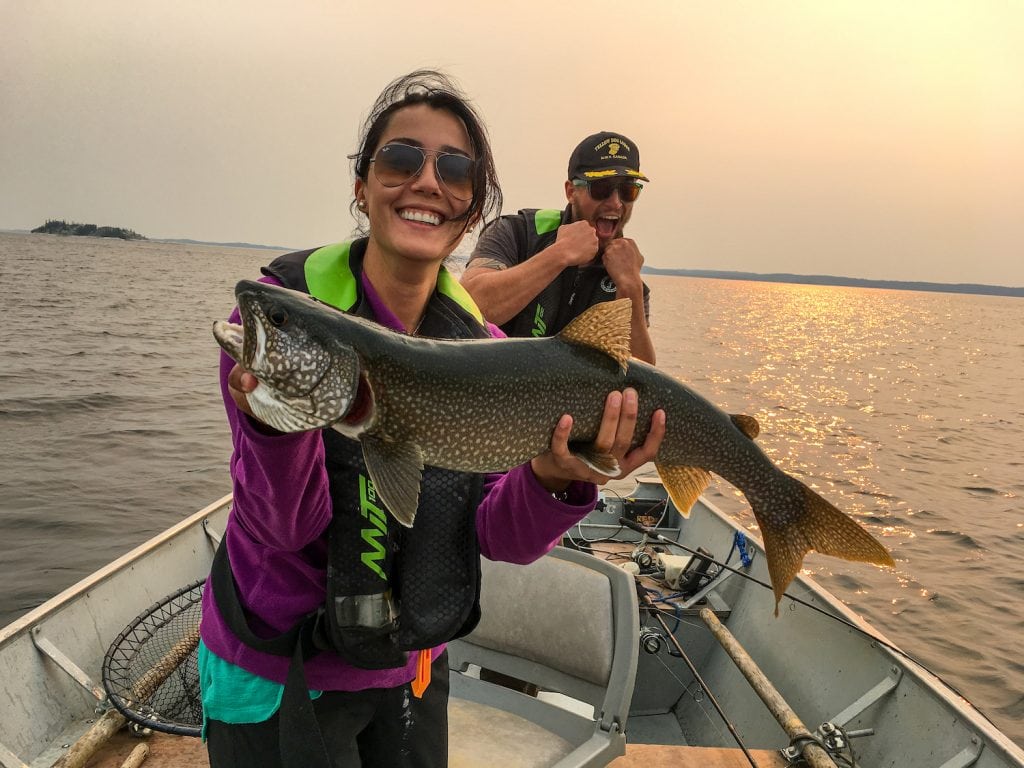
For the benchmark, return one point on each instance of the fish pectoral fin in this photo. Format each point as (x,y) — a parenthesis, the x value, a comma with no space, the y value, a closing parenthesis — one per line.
(809,523)
(746,424)
(606,327)
(684,484)
(396,470)
(600,462)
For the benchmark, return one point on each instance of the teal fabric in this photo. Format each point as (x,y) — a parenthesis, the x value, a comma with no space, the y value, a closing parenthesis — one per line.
(235,695)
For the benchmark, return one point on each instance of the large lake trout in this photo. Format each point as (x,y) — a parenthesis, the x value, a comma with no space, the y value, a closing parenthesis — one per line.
(489,405)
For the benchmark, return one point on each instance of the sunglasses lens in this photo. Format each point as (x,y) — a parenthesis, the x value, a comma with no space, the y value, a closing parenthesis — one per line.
(602,190)
(456,171)
(629,191)
(395,164)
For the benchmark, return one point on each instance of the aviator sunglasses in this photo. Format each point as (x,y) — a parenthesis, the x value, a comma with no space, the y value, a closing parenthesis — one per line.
(601,189)
(395,164)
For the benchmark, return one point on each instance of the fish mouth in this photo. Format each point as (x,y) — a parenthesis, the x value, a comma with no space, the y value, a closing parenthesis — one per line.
(231,337)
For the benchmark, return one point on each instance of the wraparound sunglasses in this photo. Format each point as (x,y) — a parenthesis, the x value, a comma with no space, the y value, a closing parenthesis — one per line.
(601,189)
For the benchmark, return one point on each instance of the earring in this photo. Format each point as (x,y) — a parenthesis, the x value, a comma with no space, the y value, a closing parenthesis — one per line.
(361,205)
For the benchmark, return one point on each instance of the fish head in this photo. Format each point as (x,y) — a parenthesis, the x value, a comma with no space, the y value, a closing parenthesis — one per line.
(309,378)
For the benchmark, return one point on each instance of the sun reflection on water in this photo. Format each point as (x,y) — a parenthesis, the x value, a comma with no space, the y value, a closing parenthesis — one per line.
(905,410)
(810,363)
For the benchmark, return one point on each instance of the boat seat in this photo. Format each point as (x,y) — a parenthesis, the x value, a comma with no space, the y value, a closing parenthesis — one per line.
(568,624)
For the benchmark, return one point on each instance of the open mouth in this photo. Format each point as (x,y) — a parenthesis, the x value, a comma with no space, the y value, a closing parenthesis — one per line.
(606,227)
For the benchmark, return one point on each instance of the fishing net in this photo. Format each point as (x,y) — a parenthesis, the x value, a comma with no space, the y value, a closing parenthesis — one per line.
(151,671)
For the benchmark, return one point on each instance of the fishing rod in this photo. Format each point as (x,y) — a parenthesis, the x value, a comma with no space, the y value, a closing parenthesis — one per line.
(644,594)
(811,750)
(650,533)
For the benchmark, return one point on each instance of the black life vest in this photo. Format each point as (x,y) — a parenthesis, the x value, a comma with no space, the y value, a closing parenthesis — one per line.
(390,589)
(574,290)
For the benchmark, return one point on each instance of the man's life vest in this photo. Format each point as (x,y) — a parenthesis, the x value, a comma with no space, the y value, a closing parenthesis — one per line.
(574,290)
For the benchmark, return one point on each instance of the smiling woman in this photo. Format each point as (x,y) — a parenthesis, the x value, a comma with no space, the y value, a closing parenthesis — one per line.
(309,547)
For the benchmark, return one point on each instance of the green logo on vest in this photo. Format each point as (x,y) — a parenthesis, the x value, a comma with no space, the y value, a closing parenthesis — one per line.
(375,516)
(539,326)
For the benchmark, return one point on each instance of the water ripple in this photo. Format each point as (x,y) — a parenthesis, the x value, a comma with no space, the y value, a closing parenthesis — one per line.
(904,409)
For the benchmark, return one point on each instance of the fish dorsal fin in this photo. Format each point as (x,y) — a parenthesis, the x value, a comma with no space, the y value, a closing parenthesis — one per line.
(604,327)
(746,424)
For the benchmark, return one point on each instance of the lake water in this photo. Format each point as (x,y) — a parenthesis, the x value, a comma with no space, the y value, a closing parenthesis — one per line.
(906,409)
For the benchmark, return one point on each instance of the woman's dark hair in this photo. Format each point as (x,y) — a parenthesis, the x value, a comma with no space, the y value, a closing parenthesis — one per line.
(436,90)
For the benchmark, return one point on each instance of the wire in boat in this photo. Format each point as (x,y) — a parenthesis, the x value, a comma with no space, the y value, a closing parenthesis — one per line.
(642,592)
(639,528)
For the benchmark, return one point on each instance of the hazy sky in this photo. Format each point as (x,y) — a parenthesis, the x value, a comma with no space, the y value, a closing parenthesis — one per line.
(866,138)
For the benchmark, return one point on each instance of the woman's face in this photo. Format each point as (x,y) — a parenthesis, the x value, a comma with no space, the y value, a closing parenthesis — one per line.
(414,220)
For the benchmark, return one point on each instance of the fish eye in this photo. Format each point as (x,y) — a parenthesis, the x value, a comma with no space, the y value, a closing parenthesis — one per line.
(277,316)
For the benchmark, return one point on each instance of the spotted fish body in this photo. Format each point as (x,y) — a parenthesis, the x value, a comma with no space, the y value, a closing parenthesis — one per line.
(490,405)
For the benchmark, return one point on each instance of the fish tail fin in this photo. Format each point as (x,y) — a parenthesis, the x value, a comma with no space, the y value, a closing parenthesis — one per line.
(811,522)
(684,484)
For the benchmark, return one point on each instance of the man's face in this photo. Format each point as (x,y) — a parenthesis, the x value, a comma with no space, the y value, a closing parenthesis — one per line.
(608,217)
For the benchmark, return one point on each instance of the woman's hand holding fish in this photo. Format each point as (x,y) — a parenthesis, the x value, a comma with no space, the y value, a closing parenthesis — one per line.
(556,468)
(240,384)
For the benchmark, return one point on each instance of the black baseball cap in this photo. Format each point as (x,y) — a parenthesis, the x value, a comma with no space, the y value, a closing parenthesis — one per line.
(604,155)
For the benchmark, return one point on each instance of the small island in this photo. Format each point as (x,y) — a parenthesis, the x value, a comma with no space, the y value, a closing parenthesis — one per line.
(61,227)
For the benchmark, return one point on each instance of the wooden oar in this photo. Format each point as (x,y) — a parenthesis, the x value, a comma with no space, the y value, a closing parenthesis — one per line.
(112,721)
(813,754)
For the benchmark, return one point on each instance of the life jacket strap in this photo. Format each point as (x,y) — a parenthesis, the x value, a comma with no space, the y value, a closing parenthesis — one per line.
(300,740)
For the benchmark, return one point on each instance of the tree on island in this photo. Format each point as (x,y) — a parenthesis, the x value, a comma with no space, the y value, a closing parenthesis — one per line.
(61,227)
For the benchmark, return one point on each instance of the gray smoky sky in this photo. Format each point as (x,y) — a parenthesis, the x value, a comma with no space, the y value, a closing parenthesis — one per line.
(860,138)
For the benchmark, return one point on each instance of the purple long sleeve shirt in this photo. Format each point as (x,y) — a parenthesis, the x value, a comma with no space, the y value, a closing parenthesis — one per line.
(277,536)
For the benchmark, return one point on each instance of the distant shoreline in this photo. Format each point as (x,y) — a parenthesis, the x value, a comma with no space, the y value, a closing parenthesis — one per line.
(847,282)
(183,241)
(772,277)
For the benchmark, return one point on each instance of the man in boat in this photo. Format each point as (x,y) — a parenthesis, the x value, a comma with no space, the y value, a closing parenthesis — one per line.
(533,272)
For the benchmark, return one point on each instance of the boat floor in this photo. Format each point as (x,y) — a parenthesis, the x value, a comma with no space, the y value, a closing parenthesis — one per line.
(661,756)
(185,752)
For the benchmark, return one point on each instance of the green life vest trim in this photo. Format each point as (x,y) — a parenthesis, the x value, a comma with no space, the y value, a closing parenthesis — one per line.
(547,220)
(329,277)
(452,288)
